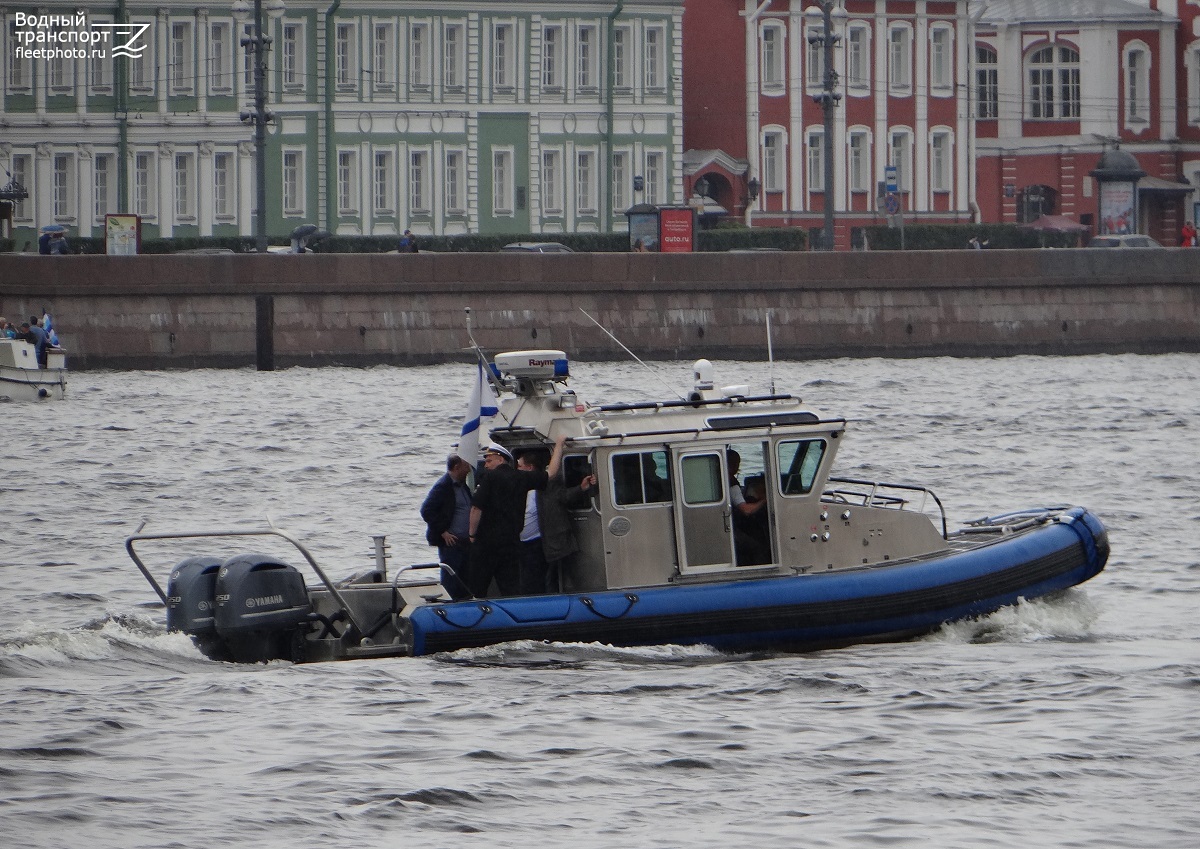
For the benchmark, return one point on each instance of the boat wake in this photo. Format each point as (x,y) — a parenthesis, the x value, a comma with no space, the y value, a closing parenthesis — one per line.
(1068,616)
(114,640)
(535,653)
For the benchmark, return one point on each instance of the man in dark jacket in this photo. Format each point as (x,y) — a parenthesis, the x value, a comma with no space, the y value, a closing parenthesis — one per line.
(548,540)
(34,334)
(447,515)
(497,516)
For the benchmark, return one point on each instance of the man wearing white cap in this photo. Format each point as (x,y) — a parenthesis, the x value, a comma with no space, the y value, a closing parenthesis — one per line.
(497,516)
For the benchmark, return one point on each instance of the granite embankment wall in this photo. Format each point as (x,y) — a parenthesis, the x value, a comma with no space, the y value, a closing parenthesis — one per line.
(184,311)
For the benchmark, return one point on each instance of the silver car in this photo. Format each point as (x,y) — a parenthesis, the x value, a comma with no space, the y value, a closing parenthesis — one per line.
(1132,240)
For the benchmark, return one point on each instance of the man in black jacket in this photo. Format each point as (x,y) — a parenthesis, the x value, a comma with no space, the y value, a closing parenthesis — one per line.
(447,514)
(548,539)
(497,516)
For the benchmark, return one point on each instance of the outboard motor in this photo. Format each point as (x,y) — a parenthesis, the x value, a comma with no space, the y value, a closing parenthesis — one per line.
(190,593)
(260,602)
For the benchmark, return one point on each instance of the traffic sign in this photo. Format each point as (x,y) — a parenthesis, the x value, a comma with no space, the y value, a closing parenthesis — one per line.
(891,203)
(890,178)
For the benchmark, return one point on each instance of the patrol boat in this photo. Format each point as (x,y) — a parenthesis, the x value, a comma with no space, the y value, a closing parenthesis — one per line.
(22,379)
(664,557)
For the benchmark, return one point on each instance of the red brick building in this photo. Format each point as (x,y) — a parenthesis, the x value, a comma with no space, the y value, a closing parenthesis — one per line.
(990,112)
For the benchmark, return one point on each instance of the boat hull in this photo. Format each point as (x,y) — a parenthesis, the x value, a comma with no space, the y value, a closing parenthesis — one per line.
(800,612)
(32,384)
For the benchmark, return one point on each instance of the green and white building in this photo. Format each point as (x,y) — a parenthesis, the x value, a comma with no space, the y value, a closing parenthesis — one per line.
(498,116)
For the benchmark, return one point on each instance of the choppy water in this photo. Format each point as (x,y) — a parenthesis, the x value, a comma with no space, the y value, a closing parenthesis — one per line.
(1072,723)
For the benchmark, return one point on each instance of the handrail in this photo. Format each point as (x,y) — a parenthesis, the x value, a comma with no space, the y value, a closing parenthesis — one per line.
(248,532)
(874,498)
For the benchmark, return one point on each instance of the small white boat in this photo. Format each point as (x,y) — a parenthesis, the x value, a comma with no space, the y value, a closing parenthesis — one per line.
(22,379)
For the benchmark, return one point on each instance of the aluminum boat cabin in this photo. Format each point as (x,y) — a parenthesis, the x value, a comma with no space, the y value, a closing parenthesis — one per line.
(664,557)
(22,379)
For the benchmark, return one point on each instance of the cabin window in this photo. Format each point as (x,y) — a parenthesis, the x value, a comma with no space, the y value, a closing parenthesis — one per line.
(799,461)
(641,478)
(576,467)
(702,479)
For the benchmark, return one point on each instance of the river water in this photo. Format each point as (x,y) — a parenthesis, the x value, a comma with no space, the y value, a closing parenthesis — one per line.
(1066,723)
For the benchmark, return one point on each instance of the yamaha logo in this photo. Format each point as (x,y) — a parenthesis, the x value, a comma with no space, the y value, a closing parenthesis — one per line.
(263,601)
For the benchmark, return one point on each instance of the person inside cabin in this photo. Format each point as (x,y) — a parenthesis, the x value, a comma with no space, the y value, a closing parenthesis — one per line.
(447,514)
(547,538)
(497,517)
(38,338)
(750,546)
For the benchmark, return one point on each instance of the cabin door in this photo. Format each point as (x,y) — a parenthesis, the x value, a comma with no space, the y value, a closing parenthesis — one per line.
(704,525)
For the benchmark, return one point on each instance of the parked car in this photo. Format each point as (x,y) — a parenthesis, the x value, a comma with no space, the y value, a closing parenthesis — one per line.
(536,248)
(1132,240)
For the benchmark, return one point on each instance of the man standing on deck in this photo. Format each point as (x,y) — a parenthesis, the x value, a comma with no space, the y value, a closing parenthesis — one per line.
(40,339)
(447,513)
(497,516)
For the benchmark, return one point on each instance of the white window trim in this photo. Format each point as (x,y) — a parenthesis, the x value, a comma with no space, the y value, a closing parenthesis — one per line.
(654,68)
(221,69)
(772,70)
(349,82)
(904,170)
(814,160)
(353,191)
(383,79)
(553,184)
(455,201)
(454,67)
(419,62)
(181,77)
(150,211)
(68,209)
(774,179)
(185,206)
(586,185)
(1191,61)
(1055,66)
(228,215)
(508,63)
(1139,120)
(301,205)
(900,85)
(553,65)
(590,64)
(300,71)
(505,206)
(975,86)
(942,87)
(861,87)
(425,184)
(865,134)
(942,183)
(385,205)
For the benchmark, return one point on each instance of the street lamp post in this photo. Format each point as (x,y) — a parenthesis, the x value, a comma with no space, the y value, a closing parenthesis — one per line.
(753,187)
(824,13)
(257,45)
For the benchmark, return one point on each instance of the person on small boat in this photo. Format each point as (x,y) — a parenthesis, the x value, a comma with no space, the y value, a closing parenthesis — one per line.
(447,514)
(751,550)
(35,335)
(547,538)
(497,516)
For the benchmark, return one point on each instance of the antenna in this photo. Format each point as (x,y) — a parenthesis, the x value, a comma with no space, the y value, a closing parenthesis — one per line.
(632,354)
(770,354)
(483,360)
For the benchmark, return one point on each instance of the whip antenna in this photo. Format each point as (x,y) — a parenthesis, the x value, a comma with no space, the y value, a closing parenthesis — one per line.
(770,354)
(632,354)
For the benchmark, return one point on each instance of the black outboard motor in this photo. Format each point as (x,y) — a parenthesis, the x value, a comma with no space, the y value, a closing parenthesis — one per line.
(190,603)
(260,602)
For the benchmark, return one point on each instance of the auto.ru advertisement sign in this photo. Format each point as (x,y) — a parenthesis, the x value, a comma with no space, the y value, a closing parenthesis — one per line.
(676,229)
